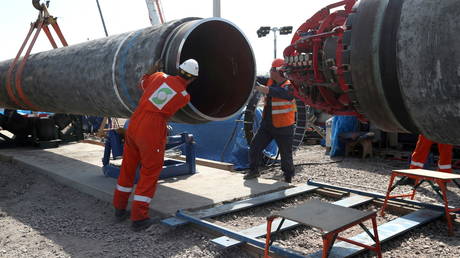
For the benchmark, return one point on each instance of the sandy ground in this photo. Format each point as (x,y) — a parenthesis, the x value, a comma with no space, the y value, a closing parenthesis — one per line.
(41,218)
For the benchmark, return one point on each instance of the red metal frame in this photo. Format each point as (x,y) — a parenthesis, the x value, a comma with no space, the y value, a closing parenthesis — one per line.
(329,237)
(160,11)
(322,25)
(267,238)
(442,185)
(44,19)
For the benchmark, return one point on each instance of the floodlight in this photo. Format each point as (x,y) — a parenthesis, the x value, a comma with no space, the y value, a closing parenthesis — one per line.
(263,31)
(285,30)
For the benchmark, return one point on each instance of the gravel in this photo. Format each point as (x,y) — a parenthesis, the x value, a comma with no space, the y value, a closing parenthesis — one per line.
(372,175)
(41,218)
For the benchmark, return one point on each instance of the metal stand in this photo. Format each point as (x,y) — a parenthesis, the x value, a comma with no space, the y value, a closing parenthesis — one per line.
(420,176)
(171,168)
(331,220)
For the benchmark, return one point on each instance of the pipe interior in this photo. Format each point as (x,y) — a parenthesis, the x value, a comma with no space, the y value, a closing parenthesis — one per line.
(227,68)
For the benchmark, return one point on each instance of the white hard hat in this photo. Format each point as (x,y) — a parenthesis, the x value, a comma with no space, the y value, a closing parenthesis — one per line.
(190,66)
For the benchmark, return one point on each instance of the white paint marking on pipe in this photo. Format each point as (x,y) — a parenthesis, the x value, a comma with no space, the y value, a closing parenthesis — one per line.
(438,70)
(115,87)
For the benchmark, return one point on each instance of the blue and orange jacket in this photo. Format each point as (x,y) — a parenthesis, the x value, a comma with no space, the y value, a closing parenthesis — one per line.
(283,110)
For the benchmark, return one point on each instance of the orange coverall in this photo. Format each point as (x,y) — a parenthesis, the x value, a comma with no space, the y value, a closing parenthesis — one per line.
(422,149)
(145,141)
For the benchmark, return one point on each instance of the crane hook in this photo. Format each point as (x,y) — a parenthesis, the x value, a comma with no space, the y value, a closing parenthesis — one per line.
(38,6)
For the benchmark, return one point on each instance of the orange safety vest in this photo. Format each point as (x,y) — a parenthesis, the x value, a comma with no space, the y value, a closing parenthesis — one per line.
(283,111)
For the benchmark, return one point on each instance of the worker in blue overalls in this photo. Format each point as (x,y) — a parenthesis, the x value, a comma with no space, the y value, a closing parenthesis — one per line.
(277,122)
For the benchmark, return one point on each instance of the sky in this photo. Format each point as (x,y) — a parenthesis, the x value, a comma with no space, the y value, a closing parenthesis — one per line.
(80,20)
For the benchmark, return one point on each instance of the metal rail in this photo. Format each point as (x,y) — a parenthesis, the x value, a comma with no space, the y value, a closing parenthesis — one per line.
(387,231)
(379,196)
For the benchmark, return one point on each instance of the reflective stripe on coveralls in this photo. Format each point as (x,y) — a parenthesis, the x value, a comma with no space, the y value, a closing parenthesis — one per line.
(124,189)
(141,198)
(145,141)
(417,164)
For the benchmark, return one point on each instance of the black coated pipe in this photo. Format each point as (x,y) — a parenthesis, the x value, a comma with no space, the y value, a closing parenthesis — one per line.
(101,77)
(405,63)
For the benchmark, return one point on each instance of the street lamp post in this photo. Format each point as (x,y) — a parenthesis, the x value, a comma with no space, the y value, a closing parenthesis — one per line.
(264,30)
(275,29)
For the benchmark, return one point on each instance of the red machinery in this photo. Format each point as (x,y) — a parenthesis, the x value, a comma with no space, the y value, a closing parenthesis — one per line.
(394,62)
(318,60)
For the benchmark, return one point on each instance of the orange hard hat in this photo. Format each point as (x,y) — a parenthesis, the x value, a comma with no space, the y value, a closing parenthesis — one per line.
(277,63)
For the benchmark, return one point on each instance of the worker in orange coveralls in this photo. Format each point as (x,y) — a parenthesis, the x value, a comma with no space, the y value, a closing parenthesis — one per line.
(145,141)
(422,149)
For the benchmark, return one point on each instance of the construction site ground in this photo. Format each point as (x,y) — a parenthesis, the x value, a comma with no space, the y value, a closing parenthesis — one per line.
(40,216)
(79,166)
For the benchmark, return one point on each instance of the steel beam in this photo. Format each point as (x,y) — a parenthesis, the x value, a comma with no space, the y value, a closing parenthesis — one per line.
(241,205)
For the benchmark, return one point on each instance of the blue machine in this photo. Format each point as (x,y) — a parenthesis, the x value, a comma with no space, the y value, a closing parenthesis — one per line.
(171,168)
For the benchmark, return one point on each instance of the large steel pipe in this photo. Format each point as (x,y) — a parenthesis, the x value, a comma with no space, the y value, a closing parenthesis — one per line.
(101,77)
(394,62)
(413,58)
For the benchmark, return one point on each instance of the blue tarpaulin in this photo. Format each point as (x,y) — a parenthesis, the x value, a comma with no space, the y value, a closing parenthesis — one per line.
(224,140)
(341,124)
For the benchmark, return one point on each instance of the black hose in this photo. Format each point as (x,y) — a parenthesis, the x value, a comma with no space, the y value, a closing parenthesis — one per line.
(318,163)
(230,138)
(311,163)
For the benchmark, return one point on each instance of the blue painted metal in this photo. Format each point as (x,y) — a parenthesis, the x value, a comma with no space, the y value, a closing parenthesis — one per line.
(386,232)
(380,196)
(261,230)
(113,145)
(171,168)
(255,232)
(241,205)
(236,235)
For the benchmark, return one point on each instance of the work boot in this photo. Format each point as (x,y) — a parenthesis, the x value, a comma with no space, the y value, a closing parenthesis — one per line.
(139,225)
(252,174)
(121,215)
(288,179)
